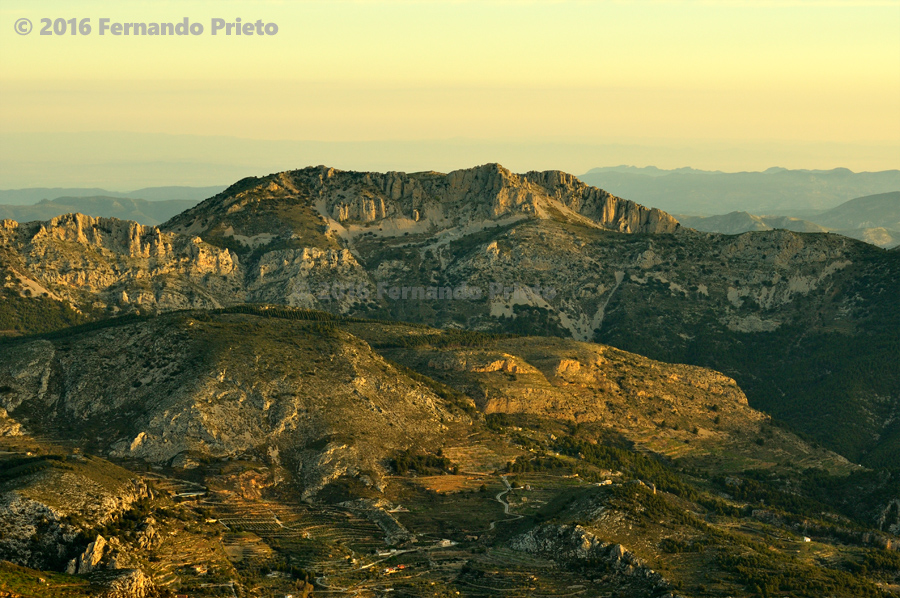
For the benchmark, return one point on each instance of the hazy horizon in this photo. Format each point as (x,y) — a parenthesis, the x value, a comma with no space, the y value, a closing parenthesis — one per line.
(225,183)
(409,85)
(123,161)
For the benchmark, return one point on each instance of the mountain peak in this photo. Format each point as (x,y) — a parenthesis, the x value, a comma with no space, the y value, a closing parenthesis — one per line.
(320,198)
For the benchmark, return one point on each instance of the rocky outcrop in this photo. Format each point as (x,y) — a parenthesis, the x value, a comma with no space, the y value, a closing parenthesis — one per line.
(20,520)
(573,543)
(9,426)
(376,511)
(88,560)
(119,236)
(564,542)
(105,262)
(479,362)
(125,583)
(332,280)
(607,210)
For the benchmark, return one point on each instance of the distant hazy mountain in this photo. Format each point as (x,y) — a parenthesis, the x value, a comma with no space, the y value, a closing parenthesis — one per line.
(798,193)
(874,219)
(651,170)
(145,212)
(742,222)
(872,211)
(32,195)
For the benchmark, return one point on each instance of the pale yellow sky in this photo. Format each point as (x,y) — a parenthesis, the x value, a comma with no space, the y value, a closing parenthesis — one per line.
(673,73)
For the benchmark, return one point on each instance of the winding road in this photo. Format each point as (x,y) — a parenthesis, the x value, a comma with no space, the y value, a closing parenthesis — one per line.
(499,499)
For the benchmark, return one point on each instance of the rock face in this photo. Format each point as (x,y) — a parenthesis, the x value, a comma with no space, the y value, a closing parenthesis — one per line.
(573,542)
(565,542)
(431,201)
(300,277)
(611,212)
(125,583)
(8,426)
(120,263)
(90,558)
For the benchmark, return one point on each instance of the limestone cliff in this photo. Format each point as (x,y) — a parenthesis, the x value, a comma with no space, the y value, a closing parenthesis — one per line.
(84,260)
(296,233)
(428,201)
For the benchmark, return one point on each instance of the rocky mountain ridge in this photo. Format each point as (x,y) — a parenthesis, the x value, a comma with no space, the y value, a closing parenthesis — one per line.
(80,259)
(539,250)
(430,201)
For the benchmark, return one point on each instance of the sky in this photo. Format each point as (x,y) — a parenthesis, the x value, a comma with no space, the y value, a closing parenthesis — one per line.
(415,85)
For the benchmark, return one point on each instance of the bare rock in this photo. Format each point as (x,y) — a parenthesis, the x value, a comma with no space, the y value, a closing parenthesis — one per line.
(91,556)
(125,583)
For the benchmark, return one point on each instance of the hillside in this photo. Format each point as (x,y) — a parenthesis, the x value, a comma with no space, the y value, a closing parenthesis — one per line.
(184,390)
(330,398)
(482,464)
(874,219)
(537,253)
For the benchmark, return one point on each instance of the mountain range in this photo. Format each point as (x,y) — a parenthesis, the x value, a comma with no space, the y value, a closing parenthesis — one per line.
(124,208)
(481,346)
(339,241)
(33,195)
